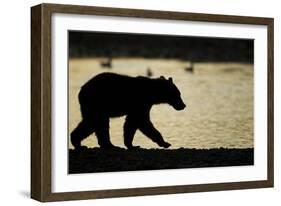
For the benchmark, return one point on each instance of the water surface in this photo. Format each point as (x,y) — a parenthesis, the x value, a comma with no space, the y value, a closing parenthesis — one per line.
(219,98)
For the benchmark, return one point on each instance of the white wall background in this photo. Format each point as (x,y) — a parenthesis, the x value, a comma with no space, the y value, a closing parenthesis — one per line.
(15,102)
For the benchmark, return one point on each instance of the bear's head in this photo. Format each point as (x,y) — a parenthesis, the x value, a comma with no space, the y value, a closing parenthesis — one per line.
(172,94)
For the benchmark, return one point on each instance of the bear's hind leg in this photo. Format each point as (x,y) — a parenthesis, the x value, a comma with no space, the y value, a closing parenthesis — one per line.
(102,133)
(82,131)
(130,128)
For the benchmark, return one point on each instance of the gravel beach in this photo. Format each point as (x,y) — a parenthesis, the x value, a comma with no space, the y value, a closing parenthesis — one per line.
(93,160)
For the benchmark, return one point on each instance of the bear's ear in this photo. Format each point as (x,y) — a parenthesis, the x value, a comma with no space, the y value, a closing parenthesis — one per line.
(162,77)
(170,79)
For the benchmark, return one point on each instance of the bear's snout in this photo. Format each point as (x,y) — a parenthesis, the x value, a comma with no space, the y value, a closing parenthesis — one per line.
(180,107)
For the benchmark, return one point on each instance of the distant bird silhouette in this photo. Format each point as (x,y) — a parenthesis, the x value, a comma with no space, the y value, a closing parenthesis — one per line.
(149,73)
(107,63)
(190,68)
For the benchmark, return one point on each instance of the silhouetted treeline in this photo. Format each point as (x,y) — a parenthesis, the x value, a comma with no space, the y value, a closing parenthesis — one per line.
(99,44)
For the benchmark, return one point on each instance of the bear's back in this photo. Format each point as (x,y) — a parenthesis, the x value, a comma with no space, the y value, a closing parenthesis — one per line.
(113,81)
(113,87)
(107,81)
(115,93)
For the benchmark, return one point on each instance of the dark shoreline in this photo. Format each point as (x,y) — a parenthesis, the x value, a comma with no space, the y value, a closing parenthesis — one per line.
(97,160)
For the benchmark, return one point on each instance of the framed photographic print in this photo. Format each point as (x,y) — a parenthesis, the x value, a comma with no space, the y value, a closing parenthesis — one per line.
(132,102)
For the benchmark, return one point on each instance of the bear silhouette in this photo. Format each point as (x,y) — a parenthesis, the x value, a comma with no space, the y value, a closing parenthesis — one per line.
(110,95)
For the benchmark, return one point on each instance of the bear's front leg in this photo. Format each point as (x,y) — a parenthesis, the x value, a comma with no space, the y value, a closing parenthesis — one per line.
(147,128)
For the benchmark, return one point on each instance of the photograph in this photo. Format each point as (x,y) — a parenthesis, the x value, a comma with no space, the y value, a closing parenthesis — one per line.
(139,101)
